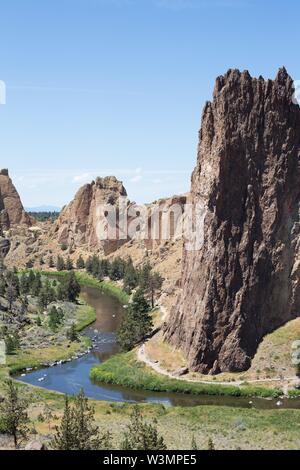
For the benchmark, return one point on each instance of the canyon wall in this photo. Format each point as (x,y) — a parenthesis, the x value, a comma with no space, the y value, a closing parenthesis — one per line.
(244,281)
(12,212)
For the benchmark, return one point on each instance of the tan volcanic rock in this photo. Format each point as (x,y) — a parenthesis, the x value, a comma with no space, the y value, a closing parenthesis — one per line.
(77,223)
(244,282)
(12,212)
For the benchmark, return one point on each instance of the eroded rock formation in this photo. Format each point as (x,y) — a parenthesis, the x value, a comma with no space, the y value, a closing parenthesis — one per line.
(245,280)
(12,212)
(77,223)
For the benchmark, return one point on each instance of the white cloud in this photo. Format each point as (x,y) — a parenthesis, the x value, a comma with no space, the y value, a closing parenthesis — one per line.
(82,178)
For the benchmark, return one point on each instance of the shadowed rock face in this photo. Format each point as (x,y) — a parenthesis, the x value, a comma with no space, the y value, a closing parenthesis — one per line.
(244,282)
(77,223)
(12,212)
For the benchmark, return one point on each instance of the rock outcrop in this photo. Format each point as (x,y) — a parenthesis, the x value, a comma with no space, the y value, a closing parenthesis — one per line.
(245,280)
(77,223)
(12,212)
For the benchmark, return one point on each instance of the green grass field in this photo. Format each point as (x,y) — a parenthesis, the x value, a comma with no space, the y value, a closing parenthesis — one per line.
(125,370)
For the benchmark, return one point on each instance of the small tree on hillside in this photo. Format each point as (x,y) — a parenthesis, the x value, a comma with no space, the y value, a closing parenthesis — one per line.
(80,264)
(72,334)
(13,412)
(141,435)
(77,430)
(69,264)
(60,264)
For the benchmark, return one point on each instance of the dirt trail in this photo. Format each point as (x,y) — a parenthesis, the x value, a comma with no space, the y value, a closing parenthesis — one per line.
(142,356)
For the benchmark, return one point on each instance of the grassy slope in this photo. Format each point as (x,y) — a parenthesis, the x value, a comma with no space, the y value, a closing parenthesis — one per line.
(230,428)
(125,370)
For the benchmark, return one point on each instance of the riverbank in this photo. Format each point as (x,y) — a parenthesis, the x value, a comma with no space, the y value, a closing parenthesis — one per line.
(86,280)
(125,370)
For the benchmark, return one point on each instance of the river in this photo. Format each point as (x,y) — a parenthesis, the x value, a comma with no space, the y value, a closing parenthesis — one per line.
(72,376)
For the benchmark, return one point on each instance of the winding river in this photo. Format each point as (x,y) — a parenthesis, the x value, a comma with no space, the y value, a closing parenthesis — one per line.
(72,376)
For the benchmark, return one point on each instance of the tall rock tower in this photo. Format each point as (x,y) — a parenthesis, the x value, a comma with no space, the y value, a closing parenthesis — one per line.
(245,280)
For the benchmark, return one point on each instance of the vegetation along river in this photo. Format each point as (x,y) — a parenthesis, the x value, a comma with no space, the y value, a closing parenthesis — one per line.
(70,377)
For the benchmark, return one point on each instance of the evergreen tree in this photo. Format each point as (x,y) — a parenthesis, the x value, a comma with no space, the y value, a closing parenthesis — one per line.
(77,430)
(72,334)
(24,284)
(141,435)
(89,265)
(51,262)
(80,264)
(13,412)
(12,342)
(60,264)
(69,264)
(130,280)
(65,433)
(155,284)
(24,305)
(137,323)
(35,281)
(11,294)
(72,287)
(56,317)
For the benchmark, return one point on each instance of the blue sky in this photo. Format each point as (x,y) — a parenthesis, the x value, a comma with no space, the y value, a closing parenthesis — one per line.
(97,87)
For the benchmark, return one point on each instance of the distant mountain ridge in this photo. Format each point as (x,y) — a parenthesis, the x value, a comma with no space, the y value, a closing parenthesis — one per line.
(43,209)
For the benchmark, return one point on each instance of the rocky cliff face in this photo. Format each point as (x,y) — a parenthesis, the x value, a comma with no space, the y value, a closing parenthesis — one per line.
(77,223)
(245,280)
(12,212)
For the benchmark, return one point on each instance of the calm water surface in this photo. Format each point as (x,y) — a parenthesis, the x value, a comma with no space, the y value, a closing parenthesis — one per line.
(70,377)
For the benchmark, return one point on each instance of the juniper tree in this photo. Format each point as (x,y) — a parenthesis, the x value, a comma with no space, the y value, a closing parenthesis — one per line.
(72,334)
(80,264)
(141,435)
(77,430)
(13,412)
(69,264)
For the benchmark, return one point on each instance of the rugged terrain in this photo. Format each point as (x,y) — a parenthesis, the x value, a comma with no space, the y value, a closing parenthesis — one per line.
(244,281)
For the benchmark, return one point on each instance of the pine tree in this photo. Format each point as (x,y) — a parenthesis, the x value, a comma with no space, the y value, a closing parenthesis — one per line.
(87,433)
(80,264)
(60,264)
(24,284)
(35,281)
(65,433)
(77,430)
(141,435)
(155,283)
(12,342)
(69,264)
(56,317)
(72,287)
(51,262)
(72,334)
(11,295)
(130,280)
(137,323)
(13,412)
